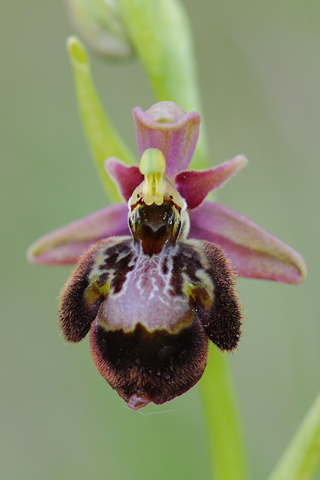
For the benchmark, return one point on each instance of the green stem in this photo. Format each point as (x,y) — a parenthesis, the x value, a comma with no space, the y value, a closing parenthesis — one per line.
(224,431)
(160,33)
(302,457)
(103,139)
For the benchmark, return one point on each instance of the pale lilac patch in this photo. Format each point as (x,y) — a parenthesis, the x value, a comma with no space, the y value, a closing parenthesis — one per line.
(170,129)
(145,298)
(126,177)
(194,186)
(65,245)
(252,250)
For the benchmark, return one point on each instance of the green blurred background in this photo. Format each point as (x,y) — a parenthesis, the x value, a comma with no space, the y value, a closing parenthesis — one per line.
(259,75)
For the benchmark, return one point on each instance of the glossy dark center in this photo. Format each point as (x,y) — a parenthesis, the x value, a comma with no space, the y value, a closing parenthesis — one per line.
(155,226)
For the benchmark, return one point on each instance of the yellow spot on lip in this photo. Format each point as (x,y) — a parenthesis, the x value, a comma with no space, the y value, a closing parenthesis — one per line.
(197,292)
(95,291)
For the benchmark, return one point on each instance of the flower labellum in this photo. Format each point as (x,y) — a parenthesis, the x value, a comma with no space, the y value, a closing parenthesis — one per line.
(152,300)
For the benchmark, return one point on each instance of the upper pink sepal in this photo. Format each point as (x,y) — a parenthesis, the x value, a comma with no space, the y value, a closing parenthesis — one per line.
(65,245)
(170,129)
(194,185)
(127,177)
(252,250)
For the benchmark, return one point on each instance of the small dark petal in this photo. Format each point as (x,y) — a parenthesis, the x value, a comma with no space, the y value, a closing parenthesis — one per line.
(148,367)
(222,322)
(75,313)
(127,177)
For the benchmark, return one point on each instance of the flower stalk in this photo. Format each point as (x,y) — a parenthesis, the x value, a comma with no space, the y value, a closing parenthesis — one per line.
(226,445)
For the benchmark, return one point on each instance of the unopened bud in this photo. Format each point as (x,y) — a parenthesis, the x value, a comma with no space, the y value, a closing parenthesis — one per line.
(100,25)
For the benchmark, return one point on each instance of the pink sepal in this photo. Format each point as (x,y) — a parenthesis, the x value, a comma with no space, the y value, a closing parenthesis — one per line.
(65,245)
(252,250)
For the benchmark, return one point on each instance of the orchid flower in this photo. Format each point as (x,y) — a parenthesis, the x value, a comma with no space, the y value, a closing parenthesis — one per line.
(155,277)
